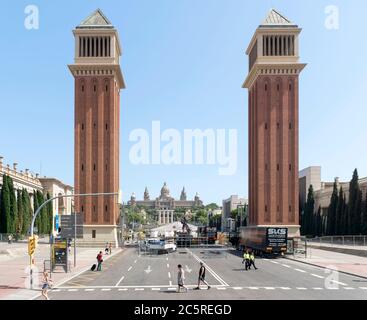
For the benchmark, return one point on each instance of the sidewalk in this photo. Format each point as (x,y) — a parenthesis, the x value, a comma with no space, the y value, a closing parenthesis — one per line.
(347,263)
(14,268)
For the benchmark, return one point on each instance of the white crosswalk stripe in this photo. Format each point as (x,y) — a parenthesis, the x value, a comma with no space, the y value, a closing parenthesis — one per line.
(317,276)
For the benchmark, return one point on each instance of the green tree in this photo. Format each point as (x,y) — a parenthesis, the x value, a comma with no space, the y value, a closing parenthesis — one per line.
(211,206)
(331,214)
(364,217)
(20,205)
(5,206)
(11,224)
(340,213)
(35,207)
(307,227)
(318,223)
(354,205)
(27,211)
(49,215)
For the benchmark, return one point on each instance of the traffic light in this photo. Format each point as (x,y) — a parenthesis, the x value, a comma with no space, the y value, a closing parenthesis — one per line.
(32,244)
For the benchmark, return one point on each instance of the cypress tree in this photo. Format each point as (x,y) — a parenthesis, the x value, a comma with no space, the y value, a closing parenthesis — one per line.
(41,216)
(354,205)
(49,215)
(364,217)
(5,206)
(35,207)
(340,210)
(331,214)
(19,223)
(27,212)
(308,214)
(319,222)
(13,207)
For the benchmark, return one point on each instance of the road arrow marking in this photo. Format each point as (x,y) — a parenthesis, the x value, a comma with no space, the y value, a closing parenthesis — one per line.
(149,270)
(188,269)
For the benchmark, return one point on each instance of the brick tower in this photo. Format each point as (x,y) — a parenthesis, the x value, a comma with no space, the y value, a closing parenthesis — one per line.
(272,82)
(98,81)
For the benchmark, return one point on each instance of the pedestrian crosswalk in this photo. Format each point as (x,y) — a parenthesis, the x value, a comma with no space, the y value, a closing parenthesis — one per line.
(172,288)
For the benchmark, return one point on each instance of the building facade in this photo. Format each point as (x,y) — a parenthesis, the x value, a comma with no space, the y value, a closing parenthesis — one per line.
(165,205)
(272,85)
(228,205)
(98,81)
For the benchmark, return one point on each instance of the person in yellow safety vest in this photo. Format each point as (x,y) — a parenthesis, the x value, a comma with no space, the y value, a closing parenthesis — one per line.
(246,259)
(252,261)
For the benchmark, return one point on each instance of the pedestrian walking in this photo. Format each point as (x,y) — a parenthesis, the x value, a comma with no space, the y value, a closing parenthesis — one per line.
(202,277)
(252,260)
(99,261)
(10,238)
(47,283)
(246,259)
(110,248)
(106,248)
(181,278)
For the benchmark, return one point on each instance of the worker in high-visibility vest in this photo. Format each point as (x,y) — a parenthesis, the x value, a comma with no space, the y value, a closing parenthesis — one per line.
(246,259)
(252,261)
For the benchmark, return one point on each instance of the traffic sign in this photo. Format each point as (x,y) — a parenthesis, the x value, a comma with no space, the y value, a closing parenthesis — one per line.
(68,227)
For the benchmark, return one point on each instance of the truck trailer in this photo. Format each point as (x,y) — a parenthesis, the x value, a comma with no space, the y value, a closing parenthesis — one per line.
(263,240)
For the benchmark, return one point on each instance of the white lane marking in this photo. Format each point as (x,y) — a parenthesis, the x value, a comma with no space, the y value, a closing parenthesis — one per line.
(215,275)
(269,288)
(338,282)
(135,261)
(56,290)
(170,283)
(301,288)
(169,274)
(124,289)
(317,288)
(122,278)
(167,258)
(363,288)
(72,289)
(171,289)
(221,288)
(285,288)
(285,265)
(274,262)
(300,270)
(89,290)
(237,288)
(156,289)
(106,289)
(317,276)
(253,288)
(129,268)
(167,265)
(348,288)
(139,289)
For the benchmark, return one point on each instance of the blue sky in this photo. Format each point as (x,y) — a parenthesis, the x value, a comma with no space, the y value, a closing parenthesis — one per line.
(184,63)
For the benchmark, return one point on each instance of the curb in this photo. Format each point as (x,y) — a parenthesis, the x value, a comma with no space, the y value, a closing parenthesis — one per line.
(316,265)
(77,274)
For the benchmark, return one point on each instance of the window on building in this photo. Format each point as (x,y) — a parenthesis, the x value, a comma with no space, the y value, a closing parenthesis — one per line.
(82,208)
(278,166)
(290,125)
(266,126)
(82,167)
(94,233)
(290,167)
(266,208)
(94,167)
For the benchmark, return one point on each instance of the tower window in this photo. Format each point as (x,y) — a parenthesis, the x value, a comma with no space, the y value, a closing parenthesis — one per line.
(290,125)
(82,126)
(106,167)
(266,208)
(290,87)
(278,87)
(82,208)
(266,87)
(106,88)
(94,167)
(106,126)
(278,126)
(266,126)
(82,88)
(278,167)
(290,167)
(94,125)
(290,208)
(278,208)
(82,167)
(106,208)
(266,167)
(94,88)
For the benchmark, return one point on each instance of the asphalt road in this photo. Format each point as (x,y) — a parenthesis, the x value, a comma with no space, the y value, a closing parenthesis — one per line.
(130,276)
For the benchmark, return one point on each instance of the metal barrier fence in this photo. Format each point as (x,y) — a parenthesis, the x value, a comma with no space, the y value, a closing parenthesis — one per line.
(340,240)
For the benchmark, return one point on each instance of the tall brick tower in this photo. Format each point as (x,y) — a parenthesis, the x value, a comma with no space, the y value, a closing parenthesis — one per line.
(98,81)
(272,82)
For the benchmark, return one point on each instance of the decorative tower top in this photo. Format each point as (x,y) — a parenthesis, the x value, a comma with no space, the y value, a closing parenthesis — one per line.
(165,191)
(146,194)
(183,196)
(197,198)
(274,48)
(97,46)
